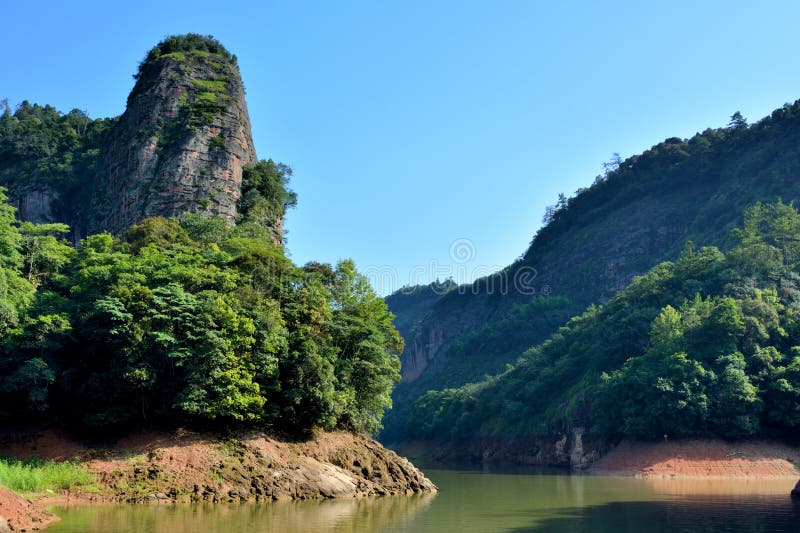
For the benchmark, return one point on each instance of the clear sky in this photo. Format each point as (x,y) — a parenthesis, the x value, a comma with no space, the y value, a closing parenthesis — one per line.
(427,137)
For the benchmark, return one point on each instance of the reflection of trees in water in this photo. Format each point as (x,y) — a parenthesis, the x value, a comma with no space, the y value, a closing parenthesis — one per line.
(345,516)
(710,514)
(357,515)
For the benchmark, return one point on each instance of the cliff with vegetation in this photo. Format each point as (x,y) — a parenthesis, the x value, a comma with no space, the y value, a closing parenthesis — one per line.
(706,346)
(183,145)
(48,160)
(149,256)
(640,212)
(182,142)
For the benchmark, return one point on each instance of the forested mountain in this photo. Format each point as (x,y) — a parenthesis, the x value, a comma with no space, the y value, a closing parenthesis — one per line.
(707,345)
(49,159)
(182,145)
(181,307)
(640,212)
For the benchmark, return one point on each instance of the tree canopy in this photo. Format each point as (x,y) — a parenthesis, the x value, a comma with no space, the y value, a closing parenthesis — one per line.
(707,345)
(187,321)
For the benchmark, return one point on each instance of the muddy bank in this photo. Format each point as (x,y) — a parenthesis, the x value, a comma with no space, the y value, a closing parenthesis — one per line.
(701,458)
(577,451)
(20,514)
(186,467)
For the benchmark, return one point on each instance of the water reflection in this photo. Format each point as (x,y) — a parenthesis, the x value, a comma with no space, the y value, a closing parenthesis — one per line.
(484,501)
(340,516)
(773,514)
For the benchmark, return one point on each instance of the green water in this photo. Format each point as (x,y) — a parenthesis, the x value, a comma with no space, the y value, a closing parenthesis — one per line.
(472,501)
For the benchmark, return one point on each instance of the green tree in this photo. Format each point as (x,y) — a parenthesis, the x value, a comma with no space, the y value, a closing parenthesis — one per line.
(368,347)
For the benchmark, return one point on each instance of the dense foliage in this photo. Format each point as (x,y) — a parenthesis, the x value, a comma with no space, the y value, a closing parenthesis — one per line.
(707,345)
(187,321)
(478,355)
(42,149)
(181,321)
(177,46)
(638,213)
(265,194)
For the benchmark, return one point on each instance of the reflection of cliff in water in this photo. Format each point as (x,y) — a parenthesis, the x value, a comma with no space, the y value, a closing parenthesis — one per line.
(339,515)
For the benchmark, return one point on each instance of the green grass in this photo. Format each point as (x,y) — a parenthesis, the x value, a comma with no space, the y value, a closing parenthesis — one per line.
(217,86)
(35,475)
(207,96)
(177,56)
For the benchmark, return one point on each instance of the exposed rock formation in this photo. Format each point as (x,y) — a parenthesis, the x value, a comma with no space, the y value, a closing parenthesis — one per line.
(39,206)
(574,450)
(184,466)
(180,145)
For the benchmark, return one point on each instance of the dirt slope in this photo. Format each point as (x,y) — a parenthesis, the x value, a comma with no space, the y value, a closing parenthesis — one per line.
(20,514)
(185,466)
(701,458)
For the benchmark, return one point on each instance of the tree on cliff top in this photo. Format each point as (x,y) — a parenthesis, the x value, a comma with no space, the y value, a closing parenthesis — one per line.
(190,42)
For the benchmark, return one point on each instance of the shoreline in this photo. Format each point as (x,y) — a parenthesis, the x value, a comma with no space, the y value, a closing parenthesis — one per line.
(157,468)
(184,467)
(700,459)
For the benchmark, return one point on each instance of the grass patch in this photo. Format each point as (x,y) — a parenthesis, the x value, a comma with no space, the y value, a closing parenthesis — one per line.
(178,56)
(35,475)
(207,96)
(217,86)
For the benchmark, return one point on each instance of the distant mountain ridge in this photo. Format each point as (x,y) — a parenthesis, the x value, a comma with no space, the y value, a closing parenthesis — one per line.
(640,213)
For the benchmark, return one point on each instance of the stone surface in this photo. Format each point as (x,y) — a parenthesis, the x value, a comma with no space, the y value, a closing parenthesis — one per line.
(179,147)
(158,468)
(39,205)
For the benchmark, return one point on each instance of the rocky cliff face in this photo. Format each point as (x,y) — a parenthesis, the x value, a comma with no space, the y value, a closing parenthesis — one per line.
(180,145)
(39,206)
(573,450)
(587,265)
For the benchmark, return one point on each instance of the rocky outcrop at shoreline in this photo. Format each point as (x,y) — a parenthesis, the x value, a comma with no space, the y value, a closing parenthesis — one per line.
(186,467)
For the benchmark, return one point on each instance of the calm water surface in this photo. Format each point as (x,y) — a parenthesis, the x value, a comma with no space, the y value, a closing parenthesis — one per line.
(477,501)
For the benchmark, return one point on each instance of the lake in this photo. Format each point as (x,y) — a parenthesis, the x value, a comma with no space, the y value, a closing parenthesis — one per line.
(482,501)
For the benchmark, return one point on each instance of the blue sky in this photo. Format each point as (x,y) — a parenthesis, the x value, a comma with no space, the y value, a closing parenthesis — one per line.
(420,129)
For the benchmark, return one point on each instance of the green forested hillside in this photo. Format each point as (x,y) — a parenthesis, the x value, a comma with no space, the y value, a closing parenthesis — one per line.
(640,212)
(197,320)
(412,304)
(42,149)
(477,355)
(707,345)
(189,321)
